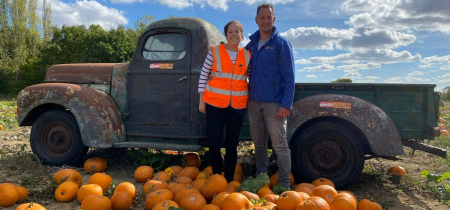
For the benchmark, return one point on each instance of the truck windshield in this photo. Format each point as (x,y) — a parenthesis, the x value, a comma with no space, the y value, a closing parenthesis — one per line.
(165,47)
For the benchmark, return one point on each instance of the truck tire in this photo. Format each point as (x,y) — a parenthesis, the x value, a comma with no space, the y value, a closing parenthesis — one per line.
(55,138)
(327,150)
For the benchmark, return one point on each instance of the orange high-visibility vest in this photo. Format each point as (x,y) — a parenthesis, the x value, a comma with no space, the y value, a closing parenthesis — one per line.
(229,81)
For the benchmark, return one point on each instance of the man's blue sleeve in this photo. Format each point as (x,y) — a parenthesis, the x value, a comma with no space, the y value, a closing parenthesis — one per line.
(287,67)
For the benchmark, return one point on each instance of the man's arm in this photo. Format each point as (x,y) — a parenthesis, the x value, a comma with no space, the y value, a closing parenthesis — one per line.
(287,66)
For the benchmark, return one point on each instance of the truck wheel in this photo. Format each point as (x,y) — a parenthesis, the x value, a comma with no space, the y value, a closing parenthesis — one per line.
(55,138)
(327,150)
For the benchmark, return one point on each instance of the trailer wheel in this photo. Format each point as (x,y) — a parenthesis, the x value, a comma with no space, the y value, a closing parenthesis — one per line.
(327,150)
(55,138)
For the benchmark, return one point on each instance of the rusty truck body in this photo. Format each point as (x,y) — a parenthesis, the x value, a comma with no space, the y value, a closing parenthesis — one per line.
(152,102)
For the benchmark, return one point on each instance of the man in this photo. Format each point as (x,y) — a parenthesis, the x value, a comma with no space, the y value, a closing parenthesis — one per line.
(271,92)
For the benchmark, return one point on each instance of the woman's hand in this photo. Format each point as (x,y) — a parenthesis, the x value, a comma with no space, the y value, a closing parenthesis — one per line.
(201,107)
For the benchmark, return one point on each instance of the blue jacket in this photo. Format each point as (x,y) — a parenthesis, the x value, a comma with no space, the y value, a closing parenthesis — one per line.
(272,72)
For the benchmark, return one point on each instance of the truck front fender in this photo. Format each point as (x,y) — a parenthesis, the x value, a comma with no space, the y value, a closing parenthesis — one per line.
(96,113)
(378,128)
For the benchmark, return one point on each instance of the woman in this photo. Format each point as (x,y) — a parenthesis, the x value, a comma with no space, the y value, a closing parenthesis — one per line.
(224,98)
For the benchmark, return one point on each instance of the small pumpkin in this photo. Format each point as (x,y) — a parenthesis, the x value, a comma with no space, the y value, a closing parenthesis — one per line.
(326,192)
(162,176)
(368,204)
(263,191)
(182,192)
(190,172)
(152,185)
(250,195)
(102,179)
(157,196)
(238,169)
(175,187)
(213,185)
(143,173)
(210,207)
(323,181)
(184,180)
(192,201)
(173,170)
(314,202)
(289,200)
(23,193)
(272,198)
(89,189)
(202,175)
(208,170)
(274,180)
(306,188)
(9,194)
(1,127)
(164,205)
(67,175)
(126,187)
(236,201)
(343,201)
(351,194)
(121,200)
(219,198)
(397,171)
(198,183)
(232,186)
(267,205)
(96,202)
(237,177)
(30,206)
(95,165)
(66,192)
(191,159)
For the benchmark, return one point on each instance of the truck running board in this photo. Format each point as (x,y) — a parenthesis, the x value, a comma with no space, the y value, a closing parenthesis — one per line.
(425,147)
(159,145)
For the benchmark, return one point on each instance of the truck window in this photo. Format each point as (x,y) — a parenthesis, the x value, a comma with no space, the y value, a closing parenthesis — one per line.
(160,47)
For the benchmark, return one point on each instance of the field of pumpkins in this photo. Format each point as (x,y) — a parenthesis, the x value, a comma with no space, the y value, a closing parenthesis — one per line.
(186,187)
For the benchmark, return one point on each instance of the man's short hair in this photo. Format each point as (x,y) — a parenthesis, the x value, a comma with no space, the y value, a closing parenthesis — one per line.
(265,6)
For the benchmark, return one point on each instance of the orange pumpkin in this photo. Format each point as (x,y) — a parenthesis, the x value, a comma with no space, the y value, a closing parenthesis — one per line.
(314,202)
(190,172)
(184,180)
(263,191)
(30,206)
(95,165)
(157,196)
(444,133)
(162,176)
(351,194)
(213,185)
(192,201)
(202,175)
(152,185)
(182,192)
(326,192)
(23,193)
(289,200)
(208,170)
(9,194)
(164,205)
(238,169)
(236,201)
(304,195)
(67,175)
(102,179)
(66,192)
(368,204)
(96,202)
(237,177)
(232,186)
(143,173)
(198,183)
(126,187)
(267,205)
(1,127)
(343,201)
(306,188)
(250,195)
(121,201)
(272,198)
(176,187)
(397,171)
(89,189)
(323,181)
(191,159)
(210,207)
(173,170)
(274,180)
(219,198)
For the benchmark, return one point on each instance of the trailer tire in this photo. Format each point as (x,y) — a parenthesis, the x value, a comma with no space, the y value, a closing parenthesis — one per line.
(327,150)
(55,138)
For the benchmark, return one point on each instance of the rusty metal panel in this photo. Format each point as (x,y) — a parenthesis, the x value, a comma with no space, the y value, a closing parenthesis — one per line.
(82,73)
(380,131)
(97,116)
(118,85)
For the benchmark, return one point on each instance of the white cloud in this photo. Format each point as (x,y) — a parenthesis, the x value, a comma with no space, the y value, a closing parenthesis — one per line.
(395,80)
(422,15)
(443,62)
(323,67)
(330,38)
(446,75)
(415,79)
(125,1)
(415,73)
(352,74)
(310,76)
(367,55)
(181,4)
(85,12)
(359,66)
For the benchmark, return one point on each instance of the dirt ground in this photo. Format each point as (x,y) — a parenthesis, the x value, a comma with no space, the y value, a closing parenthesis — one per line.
(410,192)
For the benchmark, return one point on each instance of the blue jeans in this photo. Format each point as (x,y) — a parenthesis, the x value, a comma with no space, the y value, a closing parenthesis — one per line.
(264,120)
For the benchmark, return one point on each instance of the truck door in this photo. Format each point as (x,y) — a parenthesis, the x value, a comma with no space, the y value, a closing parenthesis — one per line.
(159,84)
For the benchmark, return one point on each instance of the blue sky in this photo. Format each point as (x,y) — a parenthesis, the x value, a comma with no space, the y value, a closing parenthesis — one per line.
(369,41)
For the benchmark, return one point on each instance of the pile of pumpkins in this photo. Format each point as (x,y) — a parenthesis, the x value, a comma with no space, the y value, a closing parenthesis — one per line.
(188,188)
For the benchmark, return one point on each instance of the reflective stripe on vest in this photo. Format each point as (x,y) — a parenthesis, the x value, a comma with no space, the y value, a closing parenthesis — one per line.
(228,75)
(226,92)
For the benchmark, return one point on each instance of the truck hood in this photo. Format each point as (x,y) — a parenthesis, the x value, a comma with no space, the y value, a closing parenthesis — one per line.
(81,73)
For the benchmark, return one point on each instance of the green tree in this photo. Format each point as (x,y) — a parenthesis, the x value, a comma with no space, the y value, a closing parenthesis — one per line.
(342,80)
(445,95)
(47,21)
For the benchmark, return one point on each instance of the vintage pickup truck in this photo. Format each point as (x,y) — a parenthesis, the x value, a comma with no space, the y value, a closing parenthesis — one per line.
(152,102)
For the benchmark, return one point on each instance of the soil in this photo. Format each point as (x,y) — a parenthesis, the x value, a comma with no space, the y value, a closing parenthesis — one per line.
(406,193)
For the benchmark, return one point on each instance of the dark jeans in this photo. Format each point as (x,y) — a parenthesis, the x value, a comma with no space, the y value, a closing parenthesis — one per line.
(217,119)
